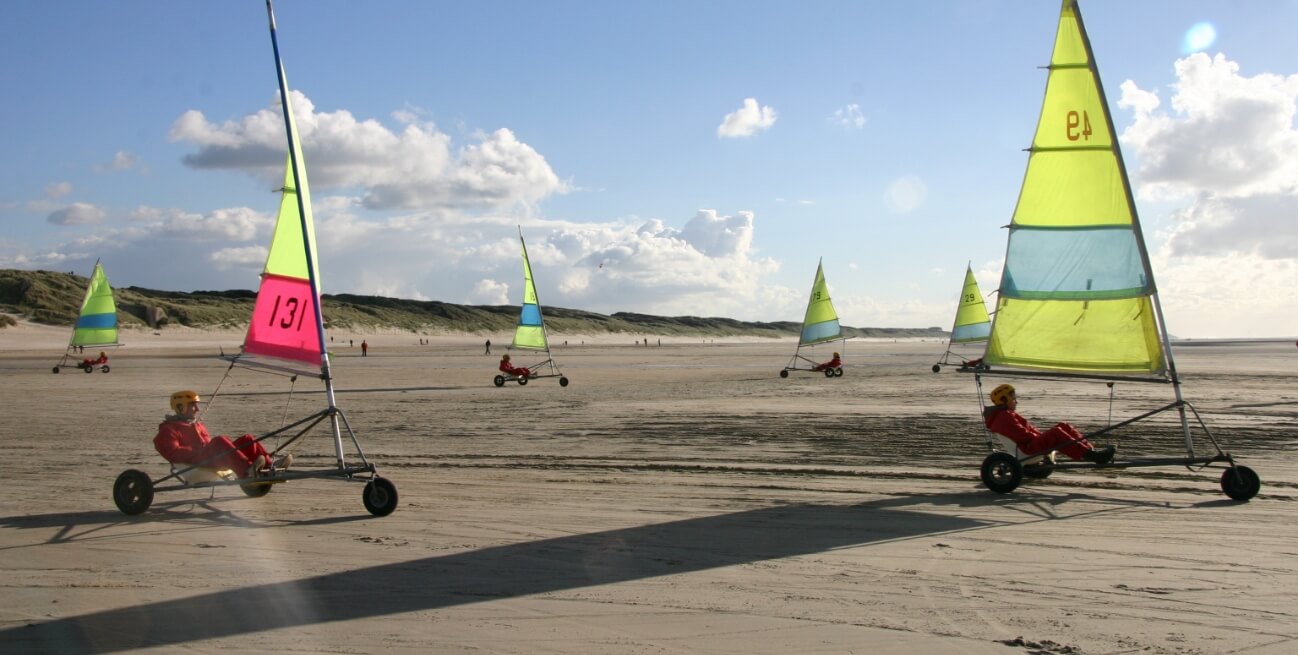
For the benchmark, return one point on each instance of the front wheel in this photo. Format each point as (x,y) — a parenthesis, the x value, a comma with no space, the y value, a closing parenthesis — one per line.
(56,370)
(838,372)
(1002,472)
(937,368)
(500,380)
(380,496)
(104,368)
(783,374)
(88,369)
(256,489)
(563,382)
(133,492)
(522,380)
(1240,483)
(829,372)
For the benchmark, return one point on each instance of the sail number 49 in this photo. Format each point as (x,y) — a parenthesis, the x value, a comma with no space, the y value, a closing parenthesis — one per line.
(1079,126)
(292,307)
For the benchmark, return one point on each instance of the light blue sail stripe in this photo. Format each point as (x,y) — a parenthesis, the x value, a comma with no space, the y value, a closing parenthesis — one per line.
(531,315)
(823,331)
(975,332)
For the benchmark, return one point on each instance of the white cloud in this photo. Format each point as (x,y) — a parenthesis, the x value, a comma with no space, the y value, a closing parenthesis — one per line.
(78,213)
(241,257)
(233,224)
(413,169)
(122,161)
(489,292)
(58,190)
(906,194)
(1229,146)
(747,120)
(849,117)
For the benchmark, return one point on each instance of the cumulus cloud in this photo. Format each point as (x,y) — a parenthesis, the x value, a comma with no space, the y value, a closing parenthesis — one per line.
(232,224)
(906,194)
(849,117)
(1228,145)
(78,213)
(241,257)
(489,292)
(58,190)
(415,168)
(747,120)
(122,161)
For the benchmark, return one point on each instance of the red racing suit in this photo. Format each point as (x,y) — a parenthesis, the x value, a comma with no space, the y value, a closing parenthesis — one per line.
(1031,441)
(187,442)
(507,368)
(833,363)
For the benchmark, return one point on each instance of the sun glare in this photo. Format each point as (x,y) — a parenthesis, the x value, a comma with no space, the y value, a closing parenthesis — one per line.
(1200,36)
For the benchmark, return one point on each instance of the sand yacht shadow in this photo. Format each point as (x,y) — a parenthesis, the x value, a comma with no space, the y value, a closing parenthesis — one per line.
(509,571)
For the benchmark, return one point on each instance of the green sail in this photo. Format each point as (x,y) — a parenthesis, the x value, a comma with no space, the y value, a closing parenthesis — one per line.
(821,321)
(97,322)
(1077,293)
(971,321)
(530,331)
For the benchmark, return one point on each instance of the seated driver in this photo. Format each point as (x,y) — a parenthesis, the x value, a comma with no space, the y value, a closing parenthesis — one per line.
(183,439)
(508,368)
(836,362)
(1002,419)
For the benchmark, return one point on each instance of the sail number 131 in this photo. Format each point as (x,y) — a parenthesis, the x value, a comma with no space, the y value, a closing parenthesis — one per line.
(1079,126)
(292,315)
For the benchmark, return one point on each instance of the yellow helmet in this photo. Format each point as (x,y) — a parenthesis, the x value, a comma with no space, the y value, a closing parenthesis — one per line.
(835,355)
(1002,393)
(505,357)
(182,398)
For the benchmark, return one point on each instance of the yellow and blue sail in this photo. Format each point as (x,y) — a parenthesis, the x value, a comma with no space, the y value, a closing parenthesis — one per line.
(1077,292)
(97,321)
(529,333)
(820,324)
(971,320)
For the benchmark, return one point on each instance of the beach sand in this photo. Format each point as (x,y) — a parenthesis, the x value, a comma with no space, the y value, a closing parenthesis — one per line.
(673,499)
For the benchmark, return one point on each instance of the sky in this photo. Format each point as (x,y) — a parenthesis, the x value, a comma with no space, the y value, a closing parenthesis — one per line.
(665,157)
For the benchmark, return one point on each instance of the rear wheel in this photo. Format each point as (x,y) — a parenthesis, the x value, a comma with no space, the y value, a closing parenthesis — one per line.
(522,379)
(88,369)
(380,496)
(838,372)
(500,380)
(1038,471)
(1002,472)
(1240,483)
(133,492)
(104,368)
(256,489)
(829,372)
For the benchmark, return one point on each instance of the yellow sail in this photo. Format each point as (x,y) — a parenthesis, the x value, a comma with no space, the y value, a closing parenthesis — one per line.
(1077,292)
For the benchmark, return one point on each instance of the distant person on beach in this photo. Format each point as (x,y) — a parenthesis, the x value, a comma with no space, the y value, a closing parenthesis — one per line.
(488,347)
(1003,419)
(836,362)
(365,348)
(508,368)
(182,439)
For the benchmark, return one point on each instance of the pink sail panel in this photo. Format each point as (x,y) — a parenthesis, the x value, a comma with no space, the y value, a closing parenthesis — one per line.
(284,321)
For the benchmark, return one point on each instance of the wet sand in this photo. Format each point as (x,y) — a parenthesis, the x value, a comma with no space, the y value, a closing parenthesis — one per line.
(673,499)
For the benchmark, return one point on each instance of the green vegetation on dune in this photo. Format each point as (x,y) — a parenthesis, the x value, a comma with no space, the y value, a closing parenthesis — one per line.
(53,298)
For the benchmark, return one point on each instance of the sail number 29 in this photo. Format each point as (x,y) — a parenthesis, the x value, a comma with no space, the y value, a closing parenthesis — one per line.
(1079,126)
(292,315)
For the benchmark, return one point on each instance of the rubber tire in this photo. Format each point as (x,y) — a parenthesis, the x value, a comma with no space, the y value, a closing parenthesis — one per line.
(56,370)
(937,368)
(88,369)
(563,382)
(829,372)
(104,368)
(500,380)
(380,496)
(783,374)
(522,380)
(1240,483)
(256,490)
(838,372)
(1038,471)
(133,492)
(1002,472)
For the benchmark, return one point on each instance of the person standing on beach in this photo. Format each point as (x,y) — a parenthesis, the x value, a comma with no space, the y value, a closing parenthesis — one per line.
(488,347)
(183,439)
(365,348)
(1002,419)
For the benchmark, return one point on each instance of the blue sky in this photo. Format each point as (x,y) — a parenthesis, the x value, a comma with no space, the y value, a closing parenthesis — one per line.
(662,157)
